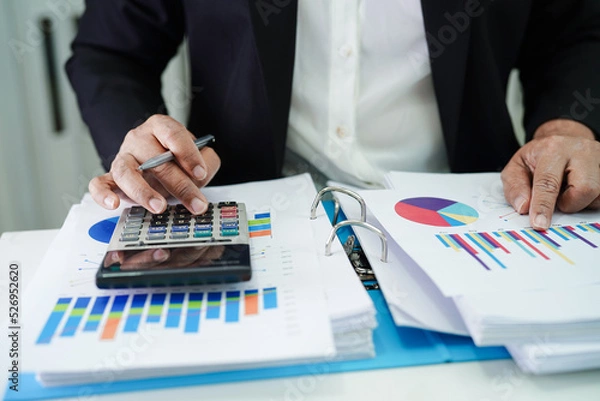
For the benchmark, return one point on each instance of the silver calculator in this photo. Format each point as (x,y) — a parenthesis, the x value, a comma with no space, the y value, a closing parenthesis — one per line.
(177,247)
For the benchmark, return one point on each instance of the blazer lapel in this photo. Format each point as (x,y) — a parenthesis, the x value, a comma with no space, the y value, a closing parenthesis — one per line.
(448,30)
(274,23)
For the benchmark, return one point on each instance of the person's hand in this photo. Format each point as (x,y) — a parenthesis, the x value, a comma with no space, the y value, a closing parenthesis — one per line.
(181,177)
(559,167)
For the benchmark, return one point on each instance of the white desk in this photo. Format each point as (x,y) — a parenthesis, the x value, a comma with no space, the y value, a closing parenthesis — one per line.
(472,381)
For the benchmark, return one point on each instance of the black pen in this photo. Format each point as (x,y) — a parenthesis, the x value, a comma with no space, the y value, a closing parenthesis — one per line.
(168,156)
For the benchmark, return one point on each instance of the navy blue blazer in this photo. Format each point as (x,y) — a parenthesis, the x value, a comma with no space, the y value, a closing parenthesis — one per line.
(242,58)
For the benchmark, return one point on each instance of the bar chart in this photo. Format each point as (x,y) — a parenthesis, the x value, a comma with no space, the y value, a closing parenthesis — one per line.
(497,248)
(112,315)
(259,225)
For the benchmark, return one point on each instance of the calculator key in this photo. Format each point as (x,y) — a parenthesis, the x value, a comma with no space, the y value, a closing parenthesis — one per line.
(229,232)
(159,223)
(203,234)
(200,227)
(181,216)
(229,220)
(180,222)
(180,229)
(131,230)
(137,211)
(204,219)
(228,203)
(130,237)
(157,229)
(229,215)
(179,235)
(134,225)
(134,219)
(155,236)
(229,224)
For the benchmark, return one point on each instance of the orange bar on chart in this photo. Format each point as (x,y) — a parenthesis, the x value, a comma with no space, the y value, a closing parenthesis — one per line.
(251,302)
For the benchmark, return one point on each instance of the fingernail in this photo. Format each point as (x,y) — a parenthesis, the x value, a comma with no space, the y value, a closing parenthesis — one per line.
(199,173)
(198,206)
(541,221)
(156,205)
(109,202)
(160,255)
(520,202)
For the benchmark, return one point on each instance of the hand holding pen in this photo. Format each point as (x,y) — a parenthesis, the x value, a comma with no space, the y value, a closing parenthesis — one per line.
(141,171)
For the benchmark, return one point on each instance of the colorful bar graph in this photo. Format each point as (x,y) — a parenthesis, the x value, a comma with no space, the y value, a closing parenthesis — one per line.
(270,298)
(54,320)
(136,310)
(260,225)
(93,320)
(251,302)
(135,313)
(488,247)
(232,306)
(213,309)
(156,307)
(174,311)
(192,319)
(114,317)
(75,317)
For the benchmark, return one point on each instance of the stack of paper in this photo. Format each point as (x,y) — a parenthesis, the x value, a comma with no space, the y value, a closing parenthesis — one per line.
(295,308)
(457,247)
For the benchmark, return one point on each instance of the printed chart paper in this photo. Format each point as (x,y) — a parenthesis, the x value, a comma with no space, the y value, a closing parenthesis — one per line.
(81,333)
(464,235)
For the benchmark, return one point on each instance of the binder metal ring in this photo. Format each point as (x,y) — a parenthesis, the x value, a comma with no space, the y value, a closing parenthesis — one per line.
(363,206)
(364,224)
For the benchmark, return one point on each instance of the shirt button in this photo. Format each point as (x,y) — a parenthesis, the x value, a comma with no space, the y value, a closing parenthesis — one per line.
(345,51)
(341,132)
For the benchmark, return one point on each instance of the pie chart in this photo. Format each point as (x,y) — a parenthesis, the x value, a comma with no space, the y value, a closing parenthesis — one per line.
(436,212)
(103,230)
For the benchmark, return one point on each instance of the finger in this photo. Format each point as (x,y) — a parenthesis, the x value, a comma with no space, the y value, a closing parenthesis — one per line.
(213,163)
(516,180)
(102,189)
(179,184)
(547,182)
(175,137)
(595,205)
(127,177)
(583,186)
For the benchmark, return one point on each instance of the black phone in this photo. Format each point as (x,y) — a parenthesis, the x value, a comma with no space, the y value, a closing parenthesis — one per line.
(176,248)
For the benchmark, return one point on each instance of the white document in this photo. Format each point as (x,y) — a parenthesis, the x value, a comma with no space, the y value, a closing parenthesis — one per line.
(78,333)
(412,297)
(461,232)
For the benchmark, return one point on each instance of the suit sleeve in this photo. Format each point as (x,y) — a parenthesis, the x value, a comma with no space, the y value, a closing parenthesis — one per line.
(559,63)
(119,54)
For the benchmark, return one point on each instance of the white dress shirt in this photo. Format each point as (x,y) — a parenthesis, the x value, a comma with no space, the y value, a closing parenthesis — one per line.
(362,95)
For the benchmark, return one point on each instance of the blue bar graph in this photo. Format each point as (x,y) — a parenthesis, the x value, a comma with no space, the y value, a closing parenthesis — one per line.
(232,306)
(53,321)
(270,298)
(192,319)
(96,314)
(135,313)
(75,317)
(174,311)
